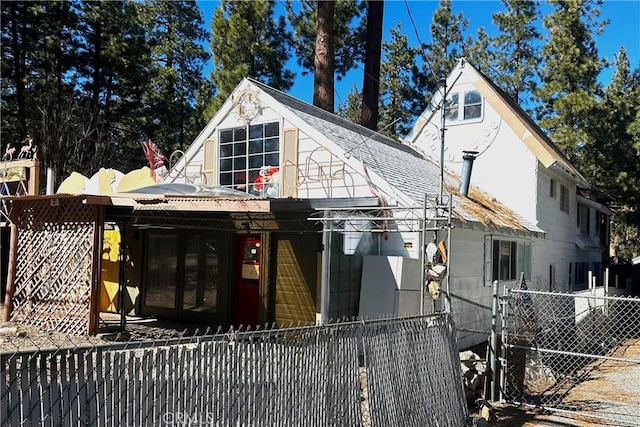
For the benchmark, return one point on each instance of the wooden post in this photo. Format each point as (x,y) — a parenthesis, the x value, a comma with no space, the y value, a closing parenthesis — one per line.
(96,269)
(34,177)
(13,258)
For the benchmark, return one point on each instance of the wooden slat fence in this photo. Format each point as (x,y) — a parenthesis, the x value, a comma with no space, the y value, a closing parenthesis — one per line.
(312,376)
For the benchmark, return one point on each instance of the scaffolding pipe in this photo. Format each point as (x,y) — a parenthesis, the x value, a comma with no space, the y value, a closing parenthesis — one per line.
(493,345)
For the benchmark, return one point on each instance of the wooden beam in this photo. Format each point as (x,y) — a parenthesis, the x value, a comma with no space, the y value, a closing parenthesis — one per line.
(96,269)
(34,177)
(13,257)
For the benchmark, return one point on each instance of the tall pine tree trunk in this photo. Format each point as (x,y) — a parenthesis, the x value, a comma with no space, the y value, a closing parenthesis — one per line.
(371,83)
(323,83)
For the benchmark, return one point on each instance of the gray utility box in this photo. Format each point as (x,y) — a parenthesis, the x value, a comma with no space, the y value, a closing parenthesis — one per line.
(390,286)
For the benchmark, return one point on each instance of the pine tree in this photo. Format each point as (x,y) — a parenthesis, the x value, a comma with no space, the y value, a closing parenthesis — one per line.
(397,93)
(480,54)
(351,109)
(324,59)
(40,81)
(349,32)
(371,78)
(175,30)
(441,55)
(516,56)
(611,155)
(248,41)
(115,63)
(569,88)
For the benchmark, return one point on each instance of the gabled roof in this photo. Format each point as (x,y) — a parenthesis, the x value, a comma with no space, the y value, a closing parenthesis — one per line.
(397,164)
(521,123)
(400,165)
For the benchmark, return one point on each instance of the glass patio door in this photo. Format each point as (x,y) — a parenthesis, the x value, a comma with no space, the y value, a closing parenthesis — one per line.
(161,281)
(186,277)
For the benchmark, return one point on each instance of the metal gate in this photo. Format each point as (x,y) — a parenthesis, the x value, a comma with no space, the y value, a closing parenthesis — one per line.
(577,353)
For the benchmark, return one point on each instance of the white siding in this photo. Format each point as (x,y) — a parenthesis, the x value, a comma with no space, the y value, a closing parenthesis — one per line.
(466,280)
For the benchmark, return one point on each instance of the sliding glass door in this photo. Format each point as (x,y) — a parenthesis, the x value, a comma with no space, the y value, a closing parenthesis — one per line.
(186,276)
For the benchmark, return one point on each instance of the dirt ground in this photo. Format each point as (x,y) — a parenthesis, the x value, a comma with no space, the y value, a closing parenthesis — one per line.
(611,391)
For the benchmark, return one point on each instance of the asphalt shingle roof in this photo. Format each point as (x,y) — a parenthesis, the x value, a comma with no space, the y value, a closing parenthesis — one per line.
(402,166)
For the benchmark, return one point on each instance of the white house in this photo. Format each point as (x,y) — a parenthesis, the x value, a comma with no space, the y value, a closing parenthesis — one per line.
(518,164)
(269,144)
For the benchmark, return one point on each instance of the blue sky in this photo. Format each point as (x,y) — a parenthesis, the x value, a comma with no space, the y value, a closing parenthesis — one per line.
(623,30)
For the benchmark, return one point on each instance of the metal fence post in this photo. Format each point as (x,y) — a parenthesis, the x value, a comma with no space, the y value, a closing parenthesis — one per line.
(493,345)
(503,345)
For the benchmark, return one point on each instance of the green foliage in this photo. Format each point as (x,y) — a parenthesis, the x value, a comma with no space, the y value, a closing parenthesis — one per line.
(516,58)
(176,33)
(397,93)
(352,108)
(85,78)
(611,156)
(569,86)
(248,41)
(349,33)
(441,55)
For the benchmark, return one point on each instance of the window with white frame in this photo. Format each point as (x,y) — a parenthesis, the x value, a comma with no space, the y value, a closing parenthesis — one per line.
(510,258)
(564,199)
(472,105)
(451,107)
(248,155)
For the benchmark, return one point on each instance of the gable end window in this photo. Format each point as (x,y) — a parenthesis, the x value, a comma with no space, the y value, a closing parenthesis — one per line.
(472,105)
(564,199)
(245,152)
(451,107)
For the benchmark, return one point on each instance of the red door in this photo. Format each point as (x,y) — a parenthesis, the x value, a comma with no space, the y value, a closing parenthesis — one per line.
(248,280)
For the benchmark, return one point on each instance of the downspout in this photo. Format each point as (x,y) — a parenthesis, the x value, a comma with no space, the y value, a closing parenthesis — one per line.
(467,165)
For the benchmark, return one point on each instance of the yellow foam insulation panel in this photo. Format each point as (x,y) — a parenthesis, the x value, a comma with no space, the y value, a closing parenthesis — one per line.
(74,184)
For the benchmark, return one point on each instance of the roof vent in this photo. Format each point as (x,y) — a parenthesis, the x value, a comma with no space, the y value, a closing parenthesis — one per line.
(468,158)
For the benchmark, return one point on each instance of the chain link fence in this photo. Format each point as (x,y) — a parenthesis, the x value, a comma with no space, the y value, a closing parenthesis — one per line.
(401,372)
(578,353)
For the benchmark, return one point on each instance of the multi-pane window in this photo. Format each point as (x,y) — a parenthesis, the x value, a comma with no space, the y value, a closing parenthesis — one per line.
(510,259)
(564,199)
(245,151)
(552,189)
(472,105)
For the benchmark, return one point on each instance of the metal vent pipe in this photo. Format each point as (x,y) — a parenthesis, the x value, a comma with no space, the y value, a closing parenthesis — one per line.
(465,179)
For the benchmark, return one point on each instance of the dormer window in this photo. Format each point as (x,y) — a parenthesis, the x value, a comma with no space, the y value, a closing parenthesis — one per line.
(472,105)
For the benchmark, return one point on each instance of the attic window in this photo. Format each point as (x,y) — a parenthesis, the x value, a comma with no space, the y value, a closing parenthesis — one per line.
(451,107)
(244,152)
(472,105)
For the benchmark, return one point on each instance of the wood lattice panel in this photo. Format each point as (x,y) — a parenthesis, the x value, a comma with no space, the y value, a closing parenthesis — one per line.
(54,265)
